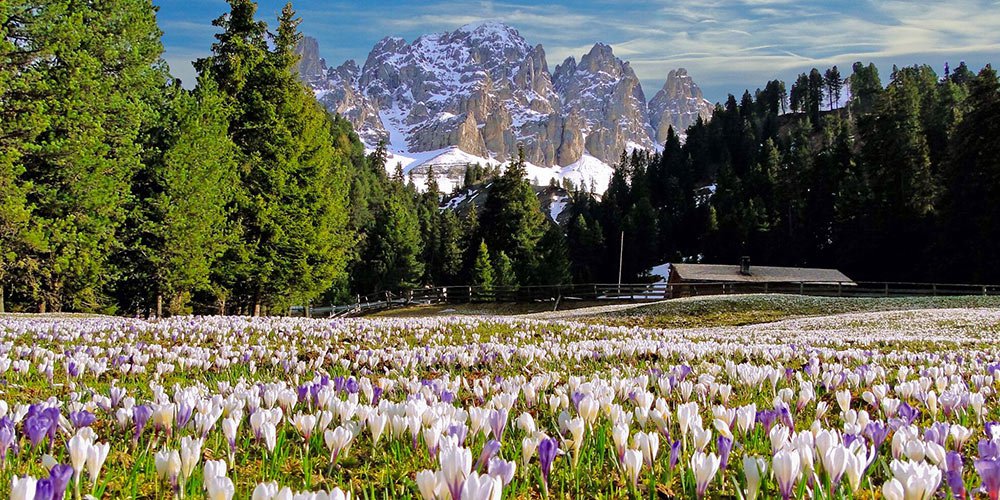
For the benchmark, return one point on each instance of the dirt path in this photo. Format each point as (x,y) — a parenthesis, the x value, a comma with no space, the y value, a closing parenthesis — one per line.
(585,311)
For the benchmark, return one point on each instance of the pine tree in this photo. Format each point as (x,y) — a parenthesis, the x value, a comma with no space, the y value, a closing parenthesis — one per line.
(834,86)
(449,260)
(291,201)
(866,87)
(512,220)
(87,75)
(180,221)
(552,251)
(504,275)
(482,270)
(969,222)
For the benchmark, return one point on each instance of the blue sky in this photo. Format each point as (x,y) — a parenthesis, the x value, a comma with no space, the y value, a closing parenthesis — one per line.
(726,46)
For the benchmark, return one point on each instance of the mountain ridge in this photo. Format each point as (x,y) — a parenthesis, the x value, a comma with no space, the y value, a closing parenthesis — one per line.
(485,90)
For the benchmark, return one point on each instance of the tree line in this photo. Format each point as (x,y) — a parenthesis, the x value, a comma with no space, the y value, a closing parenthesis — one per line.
(899,184)
(121,191)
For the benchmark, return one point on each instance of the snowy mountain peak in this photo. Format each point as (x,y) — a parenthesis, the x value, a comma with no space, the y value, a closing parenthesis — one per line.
(484,90)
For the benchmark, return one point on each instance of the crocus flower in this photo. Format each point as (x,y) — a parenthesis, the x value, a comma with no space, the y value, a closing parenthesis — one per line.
(632,464)
(502,469)
(548,448)
(140,415)
(787,468)
(23,488)
(456,463)
(498,422)
(96,456)
(953,476)
(338,441)
(490,450)
(989,471)
(168,466)
(36,426)
(82,418)
(7,435)
(59,477)
(753,469)
(725,446)
(704,467)
(79,448)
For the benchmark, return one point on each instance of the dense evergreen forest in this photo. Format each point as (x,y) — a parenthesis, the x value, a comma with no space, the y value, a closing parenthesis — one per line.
(122,191)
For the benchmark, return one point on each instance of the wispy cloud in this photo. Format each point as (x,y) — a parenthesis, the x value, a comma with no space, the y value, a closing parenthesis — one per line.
(727,45)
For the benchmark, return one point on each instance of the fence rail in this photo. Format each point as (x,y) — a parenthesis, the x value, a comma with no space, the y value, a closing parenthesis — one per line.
(636,292)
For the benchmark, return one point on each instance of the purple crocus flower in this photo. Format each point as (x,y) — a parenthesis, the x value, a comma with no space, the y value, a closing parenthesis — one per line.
(849,439)
(376,395)
(989,471)
(767,418)
(548,448)
(140,415)
(937,433)
(36,427)
(876,432)
(675,453)
(73,369)
(992,429)
(907,413)
(184,411)
(725,446)
(82,418)
(498,422)
(989,450)
(6,438)
(954,475)
(460,431)
(54,417)
(303,393)
(490,450)
(786,417)
(59,477)
(351,386)
(576,398)
(447,397)
(44,489)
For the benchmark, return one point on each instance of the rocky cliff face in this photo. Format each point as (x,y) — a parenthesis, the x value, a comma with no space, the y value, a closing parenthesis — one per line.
(678,104)
(484,89)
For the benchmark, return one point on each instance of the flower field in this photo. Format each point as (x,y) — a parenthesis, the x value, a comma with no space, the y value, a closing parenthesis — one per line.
(900,405)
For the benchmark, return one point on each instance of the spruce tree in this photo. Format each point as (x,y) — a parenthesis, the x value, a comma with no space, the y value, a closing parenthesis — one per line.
(554,256)
(87,75)
(482,270)
(182,201)
(291,203)
(512,220)
(504,271)
(969,222)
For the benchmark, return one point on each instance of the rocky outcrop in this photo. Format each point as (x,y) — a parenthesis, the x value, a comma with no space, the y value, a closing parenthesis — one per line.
(678,104)
(484,89)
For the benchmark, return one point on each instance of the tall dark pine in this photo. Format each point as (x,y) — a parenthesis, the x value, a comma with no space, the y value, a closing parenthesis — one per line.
(290,205)
(83,92)
(970,223)
(512,221)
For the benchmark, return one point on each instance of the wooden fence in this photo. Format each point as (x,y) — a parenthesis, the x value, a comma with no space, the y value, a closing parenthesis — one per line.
(635,292)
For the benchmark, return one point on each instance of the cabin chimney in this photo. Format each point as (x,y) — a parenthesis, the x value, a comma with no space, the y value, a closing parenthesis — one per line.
(745,265)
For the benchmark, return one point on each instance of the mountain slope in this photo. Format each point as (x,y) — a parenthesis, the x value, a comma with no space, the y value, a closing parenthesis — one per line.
(484,90)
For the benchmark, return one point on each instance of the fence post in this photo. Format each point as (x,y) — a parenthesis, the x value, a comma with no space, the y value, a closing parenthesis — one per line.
(887,289)
(840,289)
(802,288)
(934,288)
(984,289)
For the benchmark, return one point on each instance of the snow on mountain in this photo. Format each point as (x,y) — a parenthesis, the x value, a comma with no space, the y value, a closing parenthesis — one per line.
(484,91)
